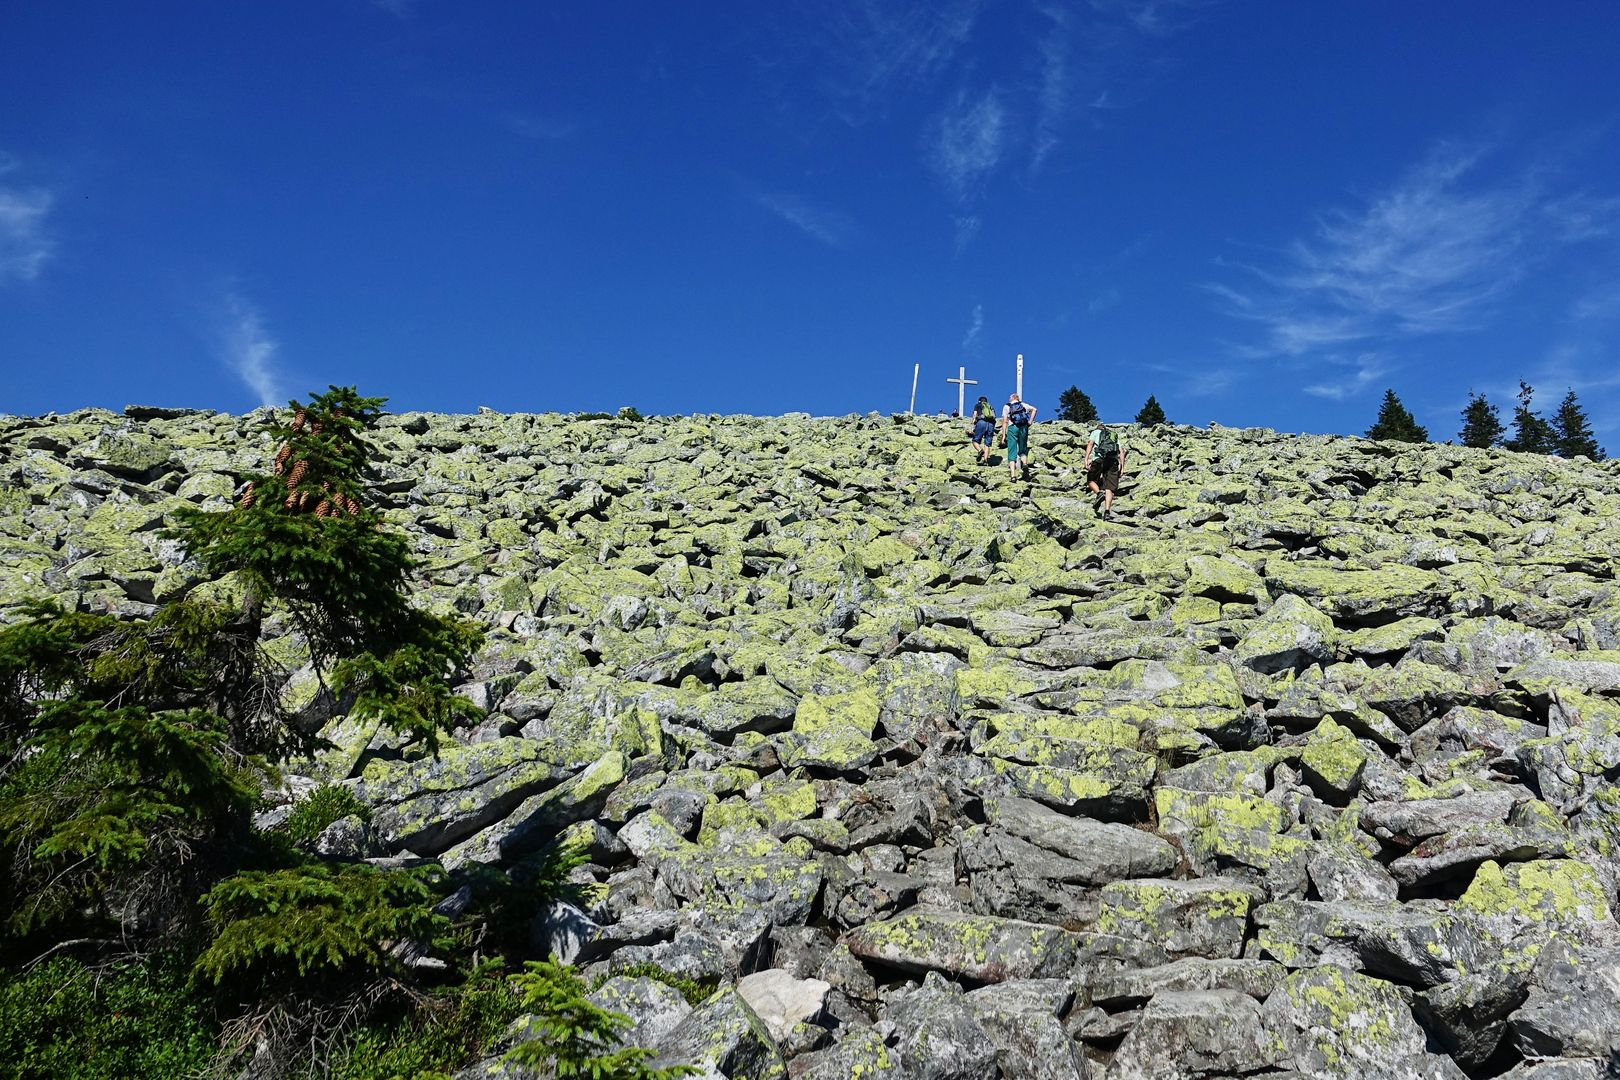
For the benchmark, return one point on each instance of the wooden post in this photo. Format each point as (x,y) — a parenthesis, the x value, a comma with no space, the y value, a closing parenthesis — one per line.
(911,409)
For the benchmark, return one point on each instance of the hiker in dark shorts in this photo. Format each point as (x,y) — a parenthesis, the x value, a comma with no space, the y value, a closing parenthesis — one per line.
(984,428)
(1104,464)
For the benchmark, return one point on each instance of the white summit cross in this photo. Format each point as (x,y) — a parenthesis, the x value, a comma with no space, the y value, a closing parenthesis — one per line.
(962,383)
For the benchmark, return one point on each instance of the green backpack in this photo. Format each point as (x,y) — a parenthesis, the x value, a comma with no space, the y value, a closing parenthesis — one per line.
(1107,443)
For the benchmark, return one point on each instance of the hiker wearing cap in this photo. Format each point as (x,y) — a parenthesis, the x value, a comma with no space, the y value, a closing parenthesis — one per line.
(1015,420)
(1104,464)
(984,428)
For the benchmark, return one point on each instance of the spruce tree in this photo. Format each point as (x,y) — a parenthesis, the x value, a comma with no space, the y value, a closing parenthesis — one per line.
(1572,433)
(1075,406)
(1482,423)
(1532,434)
(1395,423)
(139,748)
(1151,413)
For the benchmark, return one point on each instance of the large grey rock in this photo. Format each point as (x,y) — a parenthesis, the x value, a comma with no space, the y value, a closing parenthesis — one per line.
(1573,1008)
(1125,986)
(980,947)
(723,1034)
(1203,916)
(938,1034)
(654,1008)
(1190,1034)
(1021,1019)
(1334,1023)
(1103,851)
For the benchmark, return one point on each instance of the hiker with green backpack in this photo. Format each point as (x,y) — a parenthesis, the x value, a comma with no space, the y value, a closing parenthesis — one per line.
(983,428)
(1104,463)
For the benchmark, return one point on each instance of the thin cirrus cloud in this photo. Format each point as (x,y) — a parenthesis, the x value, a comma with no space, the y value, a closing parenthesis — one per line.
(831,227)
(247,350)
(965,142)
(873,50)
(25,241)
(1431,254)
(1361,373)
(970,340)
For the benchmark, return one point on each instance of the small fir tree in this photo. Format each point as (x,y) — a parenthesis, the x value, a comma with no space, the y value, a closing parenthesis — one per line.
(1572,433)
(1075,406)
(1482,423)
(1151,414)
(1532,434)
(1396,424)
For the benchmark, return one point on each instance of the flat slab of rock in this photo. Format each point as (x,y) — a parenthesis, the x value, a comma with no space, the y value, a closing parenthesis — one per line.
(1407,823)
(1203,916)
(978,947)
(1125,986)
(781,1000)
(1103,851)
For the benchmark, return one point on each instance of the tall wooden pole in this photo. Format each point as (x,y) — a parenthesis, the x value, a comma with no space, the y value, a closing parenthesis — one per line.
(912,408)
(1020,376)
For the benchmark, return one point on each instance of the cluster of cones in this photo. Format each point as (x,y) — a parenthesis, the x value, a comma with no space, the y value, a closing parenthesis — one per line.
(323,503)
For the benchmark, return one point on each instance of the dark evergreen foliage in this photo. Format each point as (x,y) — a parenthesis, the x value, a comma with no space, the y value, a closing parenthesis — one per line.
(1396,424)
(136,751)
(1482,423)
(1572,433)
(1532,434)
(1074,405)
(1151,413)
(569,1036)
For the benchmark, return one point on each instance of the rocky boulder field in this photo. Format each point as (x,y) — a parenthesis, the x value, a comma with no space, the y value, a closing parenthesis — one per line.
(1299,766)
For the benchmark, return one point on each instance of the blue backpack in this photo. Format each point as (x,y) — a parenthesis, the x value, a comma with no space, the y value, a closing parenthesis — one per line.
(1018,415)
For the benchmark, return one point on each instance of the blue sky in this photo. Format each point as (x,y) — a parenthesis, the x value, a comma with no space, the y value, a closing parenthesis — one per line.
(1261,212)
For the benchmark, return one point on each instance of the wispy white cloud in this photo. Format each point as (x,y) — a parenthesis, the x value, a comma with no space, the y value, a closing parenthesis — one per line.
(400,9)
(1053,91)
(1602,302)
(246,348)
(970,340)
(1154,17)
(1360,373)
(965,142)
(1430,254)
(871,52)
(967,227)
(1108,298)
(1200,382)
(25,241)
(831,227)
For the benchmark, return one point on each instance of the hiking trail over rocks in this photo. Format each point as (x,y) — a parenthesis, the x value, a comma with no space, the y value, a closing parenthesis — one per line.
(1300,765)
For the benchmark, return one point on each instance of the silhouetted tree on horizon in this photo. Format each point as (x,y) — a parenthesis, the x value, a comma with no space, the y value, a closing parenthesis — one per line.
(1482,423)
(1571,432)
(1396,424)
(1152,413)
(1073,404)
(1531,433)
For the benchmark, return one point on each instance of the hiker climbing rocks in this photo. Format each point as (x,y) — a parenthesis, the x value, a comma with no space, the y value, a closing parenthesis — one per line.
(1016,417)
(984,428)
(1104,463)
